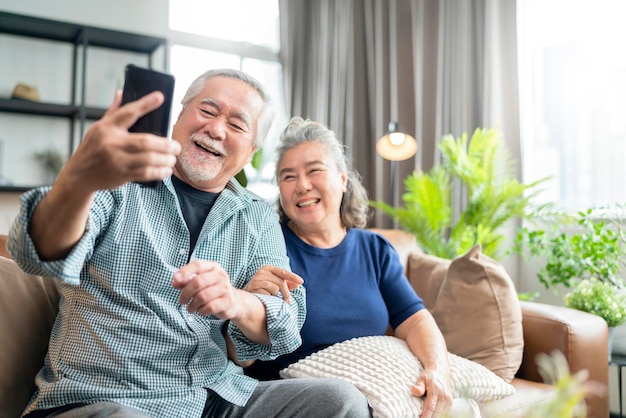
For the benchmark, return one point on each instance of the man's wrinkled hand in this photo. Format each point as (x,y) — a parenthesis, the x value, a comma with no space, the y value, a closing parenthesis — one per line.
(109,155)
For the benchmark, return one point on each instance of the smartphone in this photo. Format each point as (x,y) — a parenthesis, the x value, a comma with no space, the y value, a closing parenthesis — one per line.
(137,83)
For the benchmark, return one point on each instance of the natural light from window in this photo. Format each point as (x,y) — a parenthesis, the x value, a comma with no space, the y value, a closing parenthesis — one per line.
(573,99)
(240,34)
(253,21)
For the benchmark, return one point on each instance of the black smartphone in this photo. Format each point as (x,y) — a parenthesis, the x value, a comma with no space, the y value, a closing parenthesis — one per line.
(137,83)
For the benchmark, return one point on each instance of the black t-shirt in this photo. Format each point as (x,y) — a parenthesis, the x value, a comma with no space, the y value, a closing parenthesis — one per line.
(196,205)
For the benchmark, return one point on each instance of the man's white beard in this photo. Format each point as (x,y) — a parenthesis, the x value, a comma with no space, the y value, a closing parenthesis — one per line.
(198,170)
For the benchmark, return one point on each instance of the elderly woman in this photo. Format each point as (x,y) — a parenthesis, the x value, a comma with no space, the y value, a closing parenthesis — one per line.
(353,277)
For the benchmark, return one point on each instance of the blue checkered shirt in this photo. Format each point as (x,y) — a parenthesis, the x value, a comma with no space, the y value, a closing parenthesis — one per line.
(121,334)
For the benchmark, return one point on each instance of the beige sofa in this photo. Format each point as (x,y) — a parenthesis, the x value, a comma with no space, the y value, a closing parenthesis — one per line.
(28,306)
(581,337)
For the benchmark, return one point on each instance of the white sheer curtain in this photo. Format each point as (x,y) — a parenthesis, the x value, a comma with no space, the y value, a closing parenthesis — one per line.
(456,69)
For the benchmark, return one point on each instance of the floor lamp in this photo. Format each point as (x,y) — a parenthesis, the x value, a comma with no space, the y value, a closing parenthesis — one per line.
(396,146)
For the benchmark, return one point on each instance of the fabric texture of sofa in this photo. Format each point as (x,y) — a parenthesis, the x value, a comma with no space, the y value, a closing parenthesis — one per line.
(28,306)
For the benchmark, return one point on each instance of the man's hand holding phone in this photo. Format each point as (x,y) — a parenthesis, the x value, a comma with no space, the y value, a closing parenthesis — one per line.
(139,82)
(110,155)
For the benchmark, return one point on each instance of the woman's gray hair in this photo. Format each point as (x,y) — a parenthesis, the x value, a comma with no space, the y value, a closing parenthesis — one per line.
(267,114)
(354,209)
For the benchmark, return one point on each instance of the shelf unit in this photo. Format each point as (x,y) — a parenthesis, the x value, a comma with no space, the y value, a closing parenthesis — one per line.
(81,38)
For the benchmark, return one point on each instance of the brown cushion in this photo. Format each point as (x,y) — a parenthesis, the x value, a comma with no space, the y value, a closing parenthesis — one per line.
(475,304)
(28,307)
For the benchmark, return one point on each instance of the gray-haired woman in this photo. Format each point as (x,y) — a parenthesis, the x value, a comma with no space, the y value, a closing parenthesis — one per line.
(353,277)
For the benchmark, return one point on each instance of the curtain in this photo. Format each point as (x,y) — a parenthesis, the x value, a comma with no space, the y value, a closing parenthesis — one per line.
(435,66)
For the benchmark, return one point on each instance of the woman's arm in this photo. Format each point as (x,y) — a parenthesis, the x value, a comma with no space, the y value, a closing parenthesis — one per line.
(426,342)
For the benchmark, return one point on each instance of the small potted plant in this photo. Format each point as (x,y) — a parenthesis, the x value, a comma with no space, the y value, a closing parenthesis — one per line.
(51,161)
(599,298)
(588,260)
(602,299)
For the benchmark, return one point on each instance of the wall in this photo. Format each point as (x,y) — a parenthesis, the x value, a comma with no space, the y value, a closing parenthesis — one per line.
(148,17)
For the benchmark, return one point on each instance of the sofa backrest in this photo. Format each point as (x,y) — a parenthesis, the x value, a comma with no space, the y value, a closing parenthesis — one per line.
(473,301)
(28,308)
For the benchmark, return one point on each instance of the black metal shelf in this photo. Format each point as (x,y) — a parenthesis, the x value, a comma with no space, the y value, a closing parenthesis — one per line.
(49,109)
(38,108)
(16,189)
(81,37)
(73,33)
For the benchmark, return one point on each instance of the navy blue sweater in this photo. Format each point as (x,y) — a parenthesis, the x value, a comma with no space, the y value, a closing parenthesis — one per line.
(355,289)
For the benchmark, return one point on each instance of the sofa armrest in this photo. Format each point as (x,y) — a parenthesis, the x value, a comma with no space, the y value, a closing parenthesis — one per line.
(580,336)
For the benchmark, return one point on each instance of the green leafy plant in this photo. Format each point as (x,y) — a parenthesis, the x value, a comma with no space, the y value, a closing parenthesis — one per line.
(484,169)
(599,298)
(255,162)
(51,160)
(571,388)
(596,249)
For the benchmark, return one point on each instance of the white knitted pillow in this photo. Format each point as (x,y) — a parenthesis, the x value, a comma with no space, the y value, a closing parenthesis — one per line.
(384,369)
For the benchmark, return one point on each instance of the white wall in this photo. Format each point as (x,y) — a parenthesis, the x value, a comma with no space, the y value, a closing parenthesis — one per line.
(148,17)
(47,64)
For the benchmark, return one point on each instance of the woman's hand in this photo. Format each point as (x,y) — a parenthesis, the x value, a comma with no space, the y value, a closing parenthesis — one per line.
(272,280)
(435,384)
(426,342)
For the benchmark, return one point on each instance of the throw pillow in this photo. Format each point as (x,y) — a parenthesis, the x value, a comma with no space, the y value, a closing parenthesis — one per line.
(475,304)
(384,369)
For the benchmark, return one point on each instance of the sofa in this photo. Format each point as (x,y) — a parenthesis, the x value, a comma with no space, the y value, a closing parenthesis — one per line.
(28,306)
(543,328)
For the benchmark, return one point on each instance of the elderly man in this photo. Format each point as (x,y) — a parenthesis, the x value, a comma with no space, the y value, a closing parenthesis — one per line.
(151,278)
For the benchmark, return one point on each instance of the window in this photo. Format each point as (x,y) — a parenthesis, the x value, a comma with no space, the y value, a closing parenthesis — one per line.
(573,99)
(240,34)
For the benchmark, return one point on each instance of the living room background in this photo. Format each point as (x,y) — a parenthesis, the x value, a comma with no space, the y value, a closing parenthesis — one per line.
(439,93)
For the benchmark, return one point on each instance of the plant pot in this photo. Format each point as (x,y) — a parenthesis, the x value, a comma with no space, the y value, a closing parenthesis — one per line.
(611,341)
(619,340)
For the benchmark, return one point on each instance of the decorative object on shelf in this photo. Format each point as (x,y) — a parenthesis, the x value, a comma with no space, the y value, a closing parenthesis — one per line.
(51,161)
(25,92)
(482,166)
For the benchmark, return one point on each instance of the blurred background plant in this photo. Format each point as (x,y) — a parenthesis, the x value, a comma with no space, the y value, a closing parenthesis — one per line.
(594,248)
(571,389)
(51,161)
(599,298)
(255,162)
(446,226)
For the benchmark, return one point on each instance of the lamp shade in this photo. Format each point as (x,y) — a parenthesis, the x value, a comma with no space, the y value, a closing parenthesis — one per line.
(396,146)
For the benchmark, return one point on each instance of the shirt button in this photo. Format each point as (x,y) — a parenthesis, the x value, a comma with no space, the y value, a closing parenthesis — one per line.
(182,251)
(190,318)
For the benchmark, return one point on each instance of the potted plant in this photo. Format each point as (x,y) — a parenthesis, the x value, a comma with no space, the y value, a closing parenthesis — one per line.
(51,161)
(599,298)
(588,260)
(485,170)
(595,249)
